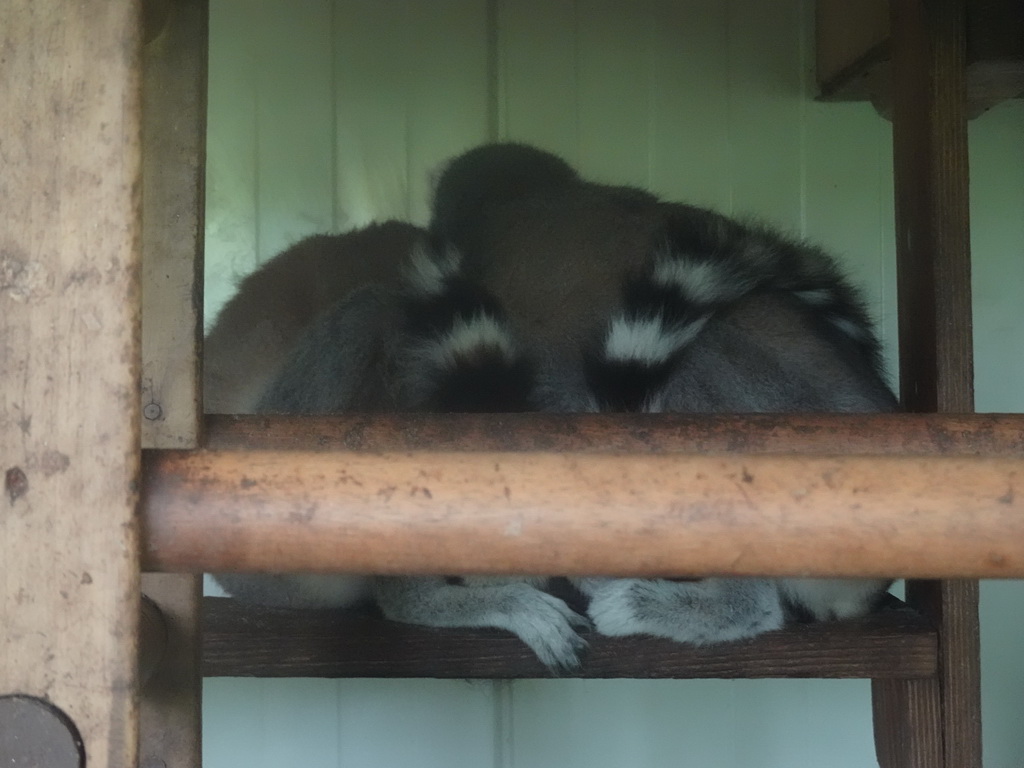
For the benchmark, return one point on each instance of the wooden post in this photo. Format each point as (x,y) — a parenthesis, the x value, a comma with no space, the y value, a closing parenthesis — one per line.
(933,722)
(174,141)
(69,370)
(174,144)
(170,716)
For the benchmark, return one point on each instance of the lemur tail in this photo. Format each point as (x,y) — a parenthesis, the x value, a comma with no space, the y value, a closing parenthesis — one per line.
(704,264)
(460,355)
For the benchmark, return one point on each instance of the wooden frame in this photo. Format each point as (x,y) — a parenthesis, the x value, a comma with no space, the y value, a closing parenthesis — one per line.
(894,643)
(71,259)
(936,721)
(69,417)
(855,53)
(174,150)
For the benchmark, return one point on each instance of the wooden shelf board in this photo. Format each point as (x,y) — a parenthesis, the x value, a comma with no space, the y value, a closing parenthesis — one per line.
(854,56)
(247,641)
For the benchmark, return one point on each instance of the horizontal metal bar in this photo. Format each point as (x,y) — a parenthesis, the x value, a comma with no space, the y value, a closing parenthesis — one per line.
(940,512)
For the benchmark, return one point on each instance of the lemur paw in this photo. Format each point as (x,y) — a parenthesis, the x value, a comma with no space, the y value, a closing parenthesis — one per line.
(545,623)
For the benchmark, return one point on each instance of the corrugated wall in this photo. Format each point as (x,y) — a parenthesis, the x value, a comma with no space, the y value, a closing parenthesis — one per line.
(326,115)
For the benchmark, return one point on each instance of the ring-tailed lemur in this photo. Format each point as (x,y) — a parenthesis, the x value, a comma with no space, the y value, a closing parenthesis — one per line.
(260,325)
(536,290)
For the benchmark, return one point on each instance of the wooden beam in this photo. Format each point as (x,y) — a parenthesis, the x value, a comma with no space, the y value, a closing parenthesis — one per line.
(908,723)
(69,409)
(855,52)
(934,722)
(174,144)
(933,237)
(583,513)
(917,434)
(170,716)
(242,640)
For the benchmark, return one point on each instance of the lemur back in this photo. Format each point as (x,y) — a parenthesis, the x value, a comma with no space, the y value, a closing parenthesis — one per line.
(537,290)
(608,284)
(275,305)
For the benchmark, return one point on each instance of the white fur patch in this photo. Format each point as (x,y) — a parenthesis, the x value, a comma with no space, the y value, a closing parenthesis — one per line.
(702,282)
(647,340)
(482,332)
(428,271)
(654,404)
(818,297)
(833,598)
(848,327)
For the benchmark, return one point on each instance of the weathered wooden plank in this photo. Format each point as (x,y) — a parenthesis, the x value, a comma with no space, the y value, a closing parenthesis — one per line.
(69,324)
(934,722)
(584,513)
(174,144)
(908,723)
(170,717)
(241,640)
(915,434)
(953,607)
(932,210)
(174,148)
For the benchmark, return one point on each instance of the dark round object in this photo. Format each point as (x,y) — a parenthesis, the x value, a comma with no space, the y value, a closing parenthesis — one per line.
(34,733)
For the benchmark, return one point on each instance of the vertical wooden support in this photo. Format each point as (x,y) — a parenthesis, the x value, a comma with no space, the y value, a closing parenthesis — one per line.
(171,717)
(932,206)
(153,632)
(933,722)
(174,141)
(69,369)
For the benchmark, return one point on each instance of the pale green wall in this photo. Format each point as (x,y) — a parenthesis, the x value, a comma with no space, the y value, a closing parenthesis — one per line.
(325,115)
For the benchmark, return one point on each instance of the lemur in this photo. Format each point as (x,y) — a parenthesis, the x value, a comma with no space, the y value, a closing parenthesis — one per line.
(261,324)
(535,290)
